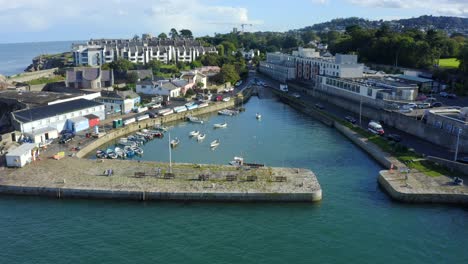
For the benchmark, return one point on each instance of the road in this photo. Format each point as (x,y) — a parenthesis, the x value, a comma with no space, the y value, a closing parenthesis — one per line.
(419,145)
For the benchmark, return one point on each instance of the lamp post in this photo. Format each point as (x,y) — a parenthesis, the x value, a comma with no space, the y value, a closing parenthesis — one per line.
(360,110)
(458,141)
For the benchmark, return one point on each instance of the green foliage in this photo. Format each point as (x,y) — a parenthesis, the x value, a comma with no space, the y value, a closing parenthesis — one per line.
(229,74)
(185,33)
(131,77)
(173,33)
(44,80)
(189,93)
(121,65)
(162,36)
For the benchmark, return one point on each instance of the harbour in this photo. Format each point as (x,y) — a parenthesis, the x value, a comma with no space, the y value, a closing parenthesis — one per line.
(346,174)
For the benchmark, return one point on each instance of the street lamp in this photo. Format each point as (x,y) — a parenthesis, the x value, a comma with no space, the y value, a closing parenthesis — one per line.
(456,147)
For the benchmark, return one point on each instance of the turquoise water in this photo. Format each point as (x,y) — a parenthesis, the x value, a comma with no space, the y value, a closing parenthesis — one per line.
(355,223)
(15,57)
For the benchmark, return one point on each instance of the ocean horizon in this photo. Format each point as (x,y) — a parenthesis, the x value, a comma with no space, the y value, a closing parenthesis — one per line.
(16,57)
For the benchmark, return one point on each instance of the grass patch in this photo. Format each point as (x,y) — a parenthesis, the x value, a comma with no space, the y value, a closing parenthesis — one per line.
(449,63)
(44,80)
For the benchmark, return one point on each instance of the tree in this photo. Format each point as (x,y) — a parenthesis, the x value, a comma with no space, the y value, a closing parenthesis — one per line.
(155,66)
(189,93)
(121,65)
(162,36)
(196,64)
(136,37)
(463,58)
(132,77)
(228,73)
(173,33)
(185,33)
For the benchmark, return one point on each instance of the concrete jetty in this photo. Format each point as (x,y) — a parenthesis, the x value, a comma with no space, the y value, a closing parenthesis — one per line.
(132,180)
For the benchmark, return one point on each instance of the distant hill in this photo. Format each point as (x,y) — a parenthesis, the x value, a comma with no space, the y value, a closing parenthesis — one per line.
(448,24)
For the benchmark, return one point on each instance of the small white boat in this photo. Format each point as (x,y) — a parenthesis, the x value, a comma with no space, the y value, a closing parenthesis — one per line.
(225,112)
(194,119)
(238,161)
(221,125)
(258,116)
(175,142)
(201,137)
(215,143)
(194,133)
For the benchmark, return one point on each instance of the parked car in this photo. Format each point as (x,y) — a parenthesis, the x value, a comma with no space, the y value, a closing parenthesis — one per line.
(319,106)
(152,114)
(443,94)
(394,137)
(421,97)
(406,110)
(430,100)
(166,103)
(424,105)
(451,96)
(351,119)
(296,95)
(65,138)
(436,104)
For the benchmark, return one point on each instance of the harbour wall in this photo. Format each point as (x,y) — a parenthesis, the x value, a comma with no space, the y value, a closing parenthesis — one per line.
(386,160)
(150,123)
(63,193)
(374,110)
(408,195)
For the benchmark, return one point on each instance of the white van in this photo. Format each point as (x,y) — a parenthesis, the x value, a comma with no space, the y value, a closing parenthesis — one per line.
(375,128)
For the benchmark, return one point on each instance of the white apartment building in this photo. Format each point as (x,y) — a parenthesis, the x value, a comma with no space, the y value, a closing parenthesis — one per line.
(98,52)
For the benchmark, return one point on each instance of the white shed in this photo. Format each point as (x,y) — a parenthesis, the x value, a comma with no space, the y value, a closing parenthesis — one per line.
(21,155)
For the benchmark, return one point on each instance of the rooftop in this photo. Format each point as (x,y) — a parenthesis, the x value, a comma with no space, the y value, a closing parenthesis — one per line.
(42,112)
(20,150)
(35,98)
(413,78)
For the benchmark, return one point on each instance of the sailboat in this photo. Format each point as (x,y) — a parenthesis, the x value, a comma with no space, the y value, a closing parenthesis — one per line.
(258,116)
(194,133)
(201,137)
(175,142)
(220,125)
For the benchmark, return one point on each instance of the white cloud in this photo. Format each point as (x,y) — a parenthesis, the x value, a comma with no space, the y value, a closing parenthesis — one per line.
(201,16)
(320,2)
(439,7)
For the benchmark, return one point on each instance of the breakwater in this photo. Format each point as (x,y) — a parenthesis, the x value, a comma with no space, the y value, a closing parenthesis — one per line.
(146,181)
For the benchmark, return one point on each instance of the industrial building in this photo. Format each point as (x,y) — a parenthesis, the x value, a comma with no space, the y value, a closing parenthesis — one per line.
(45,122)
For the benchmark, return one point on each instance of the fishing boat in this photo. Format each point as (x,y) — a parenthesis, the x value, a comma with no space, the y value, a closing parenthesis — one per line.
(111,154)
(137,150)
(201,137)
(225,112)
(214,143)
(129,151)
(258,116)
(194,133)
(160,128)
(194,119)
(175,142)
(120,153)
(101,154)
(220,125)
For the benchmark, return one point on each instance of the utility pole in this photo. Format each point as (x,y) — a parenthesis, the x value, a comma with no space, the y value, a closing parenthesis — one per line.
(360,111)
(456,148)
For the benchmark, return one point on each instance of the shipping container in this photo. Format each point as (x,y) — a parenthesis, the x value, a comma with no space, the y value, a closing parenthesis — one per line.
(117,123)
(21,155)
(93,120)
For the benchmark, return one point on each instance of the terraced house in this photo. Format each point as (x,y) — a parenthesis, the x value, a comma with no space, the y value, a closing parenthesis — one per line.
(100,51)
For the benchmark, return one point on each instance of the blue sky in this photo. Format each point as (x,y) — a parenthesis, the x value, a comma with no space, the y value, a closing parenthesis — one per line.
(47,20)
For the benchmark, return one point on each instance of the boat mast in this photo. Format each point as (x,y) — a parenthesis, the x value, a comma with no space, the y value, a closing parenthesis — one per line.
(170,154)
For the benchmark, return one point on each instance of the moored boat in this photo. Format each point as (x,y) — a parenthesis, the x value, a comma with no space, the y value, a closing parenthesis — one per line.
(215,143)
(220,125)
(194,133)
(201,137)
(194,119)
(175,142)
(258,116)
